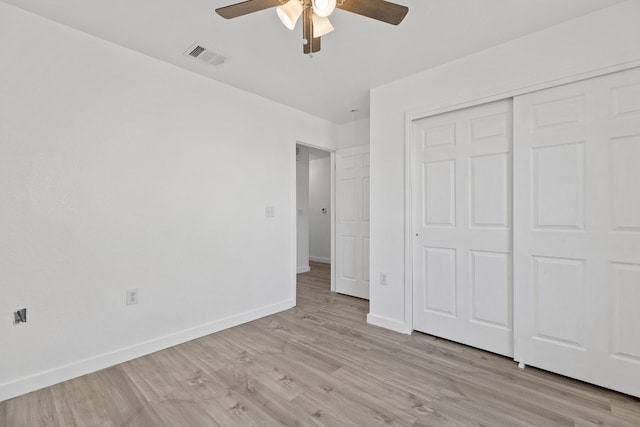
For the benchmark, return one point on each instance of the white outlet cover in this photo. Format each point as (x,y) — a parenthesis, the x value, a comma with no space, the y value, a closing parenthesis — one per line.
(132,296)
(269,211)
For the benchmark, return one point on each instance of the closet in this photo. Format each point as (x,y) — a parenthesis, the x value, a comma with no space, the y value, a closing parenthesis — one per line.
(526,228)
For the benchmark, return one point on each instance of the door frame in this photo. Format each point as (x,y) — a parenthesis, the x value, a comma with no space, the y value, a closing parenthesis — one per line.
(332,204)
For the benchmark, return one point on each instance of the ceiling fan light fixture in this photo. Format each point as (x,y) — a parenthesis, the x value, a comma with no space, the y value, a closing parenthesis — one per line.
(324,8)
(289,13)
(315,14)
(321,26)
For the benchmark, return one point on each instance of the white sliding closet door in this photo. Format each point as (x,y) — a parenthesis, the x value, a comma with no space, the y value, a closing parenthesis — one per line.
(461,198)
(577,230)
(352,222)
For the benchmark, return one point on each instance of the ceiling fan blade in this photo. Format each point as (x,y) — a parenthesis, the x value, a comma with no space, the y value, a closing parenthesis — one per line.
(246,7)
(381,10)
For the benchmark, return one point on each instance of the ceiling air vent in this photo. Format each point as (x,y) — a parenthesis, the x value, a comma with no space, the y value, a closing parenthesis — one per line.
(197,51)
(203,54)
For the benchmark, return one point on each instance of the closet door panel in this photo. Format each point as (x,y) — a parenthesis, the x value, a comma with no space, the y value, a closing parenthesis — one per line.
(461,195)
(576,230)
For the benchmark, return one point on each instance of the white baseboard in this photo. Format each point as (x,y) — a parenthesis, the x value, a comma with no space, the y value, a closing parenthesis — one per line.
(304,269)
(320,259)
(63,373)
(386,323)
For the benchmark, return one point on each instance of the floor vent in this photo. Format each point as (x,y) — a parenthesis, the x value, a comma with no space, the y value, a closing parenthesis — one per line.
(203,54)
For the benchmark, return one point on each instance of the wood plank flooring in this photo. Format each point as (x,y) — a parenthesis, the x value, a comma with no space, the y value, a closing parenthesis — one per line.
(320,364)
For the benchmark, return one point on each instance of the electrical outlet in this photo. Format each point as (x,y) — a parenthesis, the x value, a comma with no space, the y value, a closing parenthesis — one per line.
(383,279)
(270,211)
(132,296)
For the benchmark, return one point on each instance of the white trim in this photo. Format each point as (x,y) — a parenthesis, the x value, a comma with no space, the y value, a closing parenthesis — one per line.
(320,259)
(333,220)
(63,373)
(303,269)
(392,324)
(408,226)
(294,223)
(491,95)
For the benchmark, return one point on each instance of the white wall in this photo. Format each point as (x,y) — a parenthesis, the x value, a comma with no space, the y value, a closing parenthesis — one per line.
(319,198)
(353,134)
(573,50)
(302,206)
(119,171)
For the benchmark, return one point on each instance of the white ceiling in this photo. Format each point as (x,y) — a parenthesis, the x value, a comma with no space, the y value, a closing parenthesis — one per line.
(265,58)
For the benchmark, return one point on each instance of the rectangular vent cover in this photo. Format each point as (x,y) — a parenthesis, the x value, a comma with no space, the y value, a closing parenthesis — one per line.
(197,51)
(205,55)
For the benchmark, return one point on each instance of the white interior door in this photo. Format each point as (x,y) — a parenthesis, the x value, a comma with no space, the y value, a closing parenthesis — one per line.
(577,230)
(352,222)
(461,198)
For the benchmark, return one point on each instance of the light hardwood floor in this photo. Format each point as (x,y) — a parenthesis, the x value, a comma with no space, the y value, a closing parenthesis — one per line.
(320,364)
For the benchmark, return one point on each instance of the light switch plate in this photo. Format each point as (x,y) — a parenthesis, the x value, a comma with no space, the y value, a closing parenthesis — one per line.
(383,279)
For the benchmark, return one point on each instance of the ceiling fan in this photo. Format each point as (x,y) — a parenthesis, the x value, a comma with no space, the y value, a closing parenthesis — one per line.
(315,14)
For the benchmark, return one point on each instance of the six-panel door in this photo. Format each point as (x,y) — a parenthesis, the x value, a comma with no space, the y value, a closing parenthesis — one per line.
(577,230)
(352,222)
(461,195)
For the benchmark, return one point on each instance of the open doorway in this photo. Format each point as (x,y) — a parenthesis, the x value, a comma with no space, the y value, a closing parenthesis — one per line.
(314,210)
